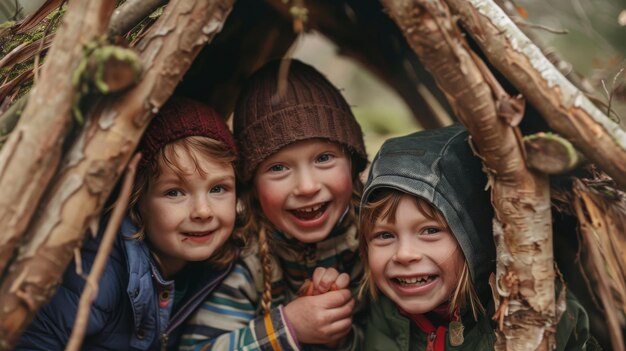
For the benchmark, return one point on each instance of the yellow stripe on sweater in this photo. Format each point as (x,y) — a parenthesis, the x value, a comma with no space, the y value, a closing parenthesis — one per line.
(271,333)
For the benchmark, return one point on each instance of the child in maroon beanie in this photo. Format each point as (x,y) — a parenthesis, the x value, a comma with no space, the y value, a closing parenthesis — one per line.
(301,153)
(173,248)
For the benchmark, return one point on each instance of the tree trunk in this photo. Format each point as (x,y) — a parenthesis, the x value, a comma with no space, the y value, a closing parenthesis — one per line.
(521,199)
(97,158)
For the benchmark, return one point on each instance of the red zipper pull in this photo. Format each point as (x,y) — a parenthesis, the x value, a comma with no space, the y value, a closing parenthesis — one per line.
(430,343)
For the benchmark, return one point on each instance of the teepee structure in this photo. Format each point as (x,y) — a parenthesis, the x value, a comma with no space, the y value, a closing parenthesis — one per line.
(82,79)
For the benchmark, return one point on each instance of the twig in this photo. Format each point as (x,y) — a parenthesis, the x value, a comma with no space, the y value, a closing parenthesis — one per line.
(521,23)
(283,69)
(91,285)
(18,10)
(42,41)
(609,94)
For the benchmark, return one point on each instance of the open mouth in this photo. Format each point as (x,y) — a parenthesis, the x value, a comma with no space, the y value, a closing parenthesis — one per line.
(197,234)
(416,281)
(310,213)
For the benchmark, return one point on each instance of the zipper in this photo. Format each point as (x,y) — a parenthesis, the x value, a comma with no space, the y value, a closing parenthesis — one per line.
(430,343)
(309,253)
(195,300)
(163,342)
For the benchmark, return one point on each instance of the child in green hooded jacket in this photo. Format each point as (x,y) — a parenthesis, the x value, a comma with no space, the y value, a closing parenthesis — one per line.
(426,237)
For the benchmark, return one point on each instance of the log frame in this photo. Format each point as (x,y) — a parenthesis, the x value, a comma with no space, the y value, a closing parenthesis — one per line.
(95,162)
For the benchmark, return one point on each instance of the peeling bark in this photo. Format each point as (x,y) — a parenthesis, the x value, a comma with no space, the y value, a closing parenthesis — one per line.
(521,199)
(32,153)
(565,108)
(601,225)
(96,160)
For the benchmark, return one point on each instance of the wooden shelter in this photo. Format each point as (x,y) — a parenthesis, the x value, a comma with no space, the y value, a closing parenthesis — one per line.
(101,73)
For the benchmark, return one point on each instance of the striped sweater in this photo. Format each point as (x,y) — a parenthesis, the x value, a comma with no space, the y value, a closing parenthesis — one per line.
(232,318)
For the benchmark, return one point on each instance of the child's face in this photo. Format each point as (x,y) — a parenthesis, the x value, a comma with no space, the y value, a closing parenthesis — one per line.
(304,188)
(188,218)
(416,261)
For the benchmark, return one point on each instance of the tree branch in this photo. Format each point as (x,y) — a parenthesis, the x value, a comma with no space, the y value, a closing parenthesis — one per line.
(32,153)
(97,158)
(566,109)
(104,250)
(521,199)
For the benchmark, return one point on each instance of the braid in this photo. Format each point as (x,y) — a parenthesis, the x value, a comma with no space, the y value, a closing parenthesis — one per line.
(264,252)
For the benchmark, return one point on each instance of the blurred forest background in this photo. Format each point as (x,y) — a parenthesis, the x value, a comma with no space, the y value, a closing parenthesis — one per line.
(589,34)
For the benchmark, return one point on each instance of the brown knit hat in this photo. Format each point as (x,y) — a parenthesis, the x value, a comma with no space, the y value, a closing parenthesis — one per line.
(311,107)
(180,118)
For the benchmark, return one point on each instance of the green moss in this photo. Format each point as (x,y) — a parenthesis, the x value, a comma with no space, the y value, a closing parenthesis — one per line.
(103,54)
(10,42)
(87,82)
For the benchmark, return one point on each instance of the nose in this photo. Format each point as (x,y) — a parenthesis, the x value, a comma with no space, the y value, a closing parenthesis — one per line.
(407,253)
(201,209)
(308,184)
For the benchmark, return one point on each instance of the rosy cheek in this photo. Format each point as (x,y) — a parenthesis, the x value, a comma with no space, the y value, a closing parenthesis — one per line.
(269,201)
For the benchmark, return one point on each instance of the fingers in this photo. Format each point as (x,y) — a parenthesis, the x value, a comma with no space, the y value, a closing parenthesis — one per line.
(321,319)
(327,279)
(307,288)
(323,278)
(337,328)
(334,299)
(342,281)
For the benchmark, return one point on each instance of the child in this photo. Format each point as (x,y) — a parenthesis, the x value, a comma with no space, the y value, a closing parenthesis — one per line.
(301,154)
(425,232)
(181,213)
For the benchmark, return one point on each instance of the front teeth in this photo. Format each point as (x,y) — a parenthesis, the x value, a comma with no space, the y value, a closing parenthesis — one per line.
(415,281)
(196,234)
(310,209)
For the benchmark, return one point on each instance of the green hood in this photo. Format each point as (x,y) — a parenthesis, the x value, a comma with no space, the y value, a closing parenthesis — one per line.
(439,166)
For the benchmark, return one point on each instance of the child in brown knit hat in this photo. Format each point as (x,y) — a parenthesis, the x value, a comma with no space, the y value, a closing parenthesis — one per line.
(301,153)
(172,250)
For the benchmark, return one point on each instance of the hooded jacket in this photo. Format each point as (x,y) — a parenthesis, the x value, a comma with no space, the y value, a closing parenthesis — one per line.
(134,307)
(439,166)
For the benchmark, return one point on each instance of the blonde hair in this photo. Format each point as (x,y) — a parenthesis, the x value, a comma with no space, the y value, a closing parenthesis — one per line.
(167,156)
(256,223)
(383,205)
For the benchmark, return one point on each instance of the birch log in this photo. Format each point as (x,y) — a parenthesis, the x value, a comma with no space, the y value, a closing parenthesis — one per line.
(521,199)
(565,108)
(96,160)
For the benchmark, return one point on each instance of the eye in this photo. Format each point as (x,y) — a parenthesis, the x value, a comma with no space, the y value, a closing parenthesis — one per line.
(218,189)
(277,168)
(174,193)
(384,235)
(431,230)
(325,157)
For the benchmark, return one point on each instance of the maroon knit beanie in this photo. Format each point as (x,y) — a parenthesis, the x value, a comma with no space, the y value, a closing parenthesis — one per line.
(180,118)
(311,107)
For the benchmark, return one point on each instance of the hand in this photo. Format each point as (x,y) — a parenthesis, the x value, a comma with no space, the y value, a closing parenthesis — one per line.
(329,279)
(324,280)
(322,319)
